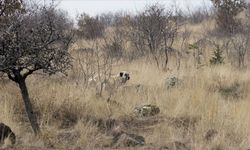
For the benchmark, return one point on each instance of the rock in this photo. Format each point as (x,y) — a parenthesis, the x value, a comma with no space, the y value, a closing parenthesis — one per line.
(6,132)
(211,134)
(172,82)
(147,110)
(127,140)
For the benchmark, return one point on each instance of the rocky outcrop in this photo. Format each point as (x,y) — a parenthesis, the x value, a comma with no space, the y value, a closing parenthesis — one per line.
(171,82)
(147,110)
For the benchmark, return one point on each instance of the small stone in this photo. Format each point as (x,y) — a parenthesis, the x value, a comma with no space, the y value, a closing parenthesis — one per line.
(147,110)
(171,82)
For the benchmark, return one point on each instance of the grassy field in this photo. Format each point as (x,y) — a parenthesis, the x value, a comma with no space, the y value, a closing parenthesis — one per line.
(209,109)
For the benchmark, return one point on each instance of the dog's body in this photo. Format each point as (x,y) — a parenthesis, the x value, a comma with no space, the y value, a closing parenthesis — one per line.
(120,78)
(6,132)
(109,84)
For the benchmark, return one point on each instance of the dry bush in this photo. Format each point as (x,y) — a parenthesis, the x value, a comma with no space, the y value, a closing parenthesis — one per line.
(226,14)
(155,29)
(199,15)
(90,27)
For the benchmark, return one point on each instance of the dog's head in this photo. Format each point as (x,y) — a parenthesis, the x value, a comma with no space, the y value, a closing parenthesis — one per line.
(124,75)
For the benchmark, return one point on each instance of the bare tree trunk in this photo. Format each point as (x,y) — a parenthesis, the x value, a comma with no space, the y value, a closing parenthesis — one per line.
(153,52)
(178,61)
(28,107)
(156,60)
(166,59)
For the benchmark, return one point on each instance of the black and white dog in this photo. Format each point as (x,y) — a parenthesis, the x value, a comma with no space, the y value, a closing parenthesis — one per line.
(119,78)
(124,76)
(110,84)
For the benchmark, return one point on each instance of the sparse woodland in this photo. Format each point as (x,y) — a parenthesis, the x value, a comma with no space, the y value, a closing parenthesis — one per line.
(192,67)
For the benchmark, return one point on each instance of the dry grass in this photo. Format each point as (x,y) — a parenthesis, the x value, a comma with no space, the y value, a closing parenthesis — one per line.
(68,113)
(63,109)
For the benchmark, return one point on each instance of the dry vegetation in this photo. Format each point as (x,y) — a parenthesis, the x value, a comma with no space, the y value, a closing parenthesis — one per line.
(209,109)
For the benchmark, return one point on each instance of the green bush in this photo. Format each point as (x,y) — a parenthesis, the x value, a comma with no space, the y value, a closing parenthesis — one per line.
(217,58)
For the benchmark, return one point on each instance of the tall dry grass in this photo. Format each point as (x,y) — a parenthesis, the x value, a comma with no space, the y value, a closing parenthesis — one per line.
(68,112)
(63,107)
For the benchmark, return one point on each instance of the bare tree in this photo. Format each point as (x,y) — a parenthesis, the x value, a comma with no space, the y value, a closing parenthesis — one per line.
(200,14)
(90,27)
(184,37)
(226,12)
(241,43)
(156,28)
(197,49)
(8,7)
(114,46)
(95,65)
(115,40)
(107,18)
(35,40)
(136,41)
